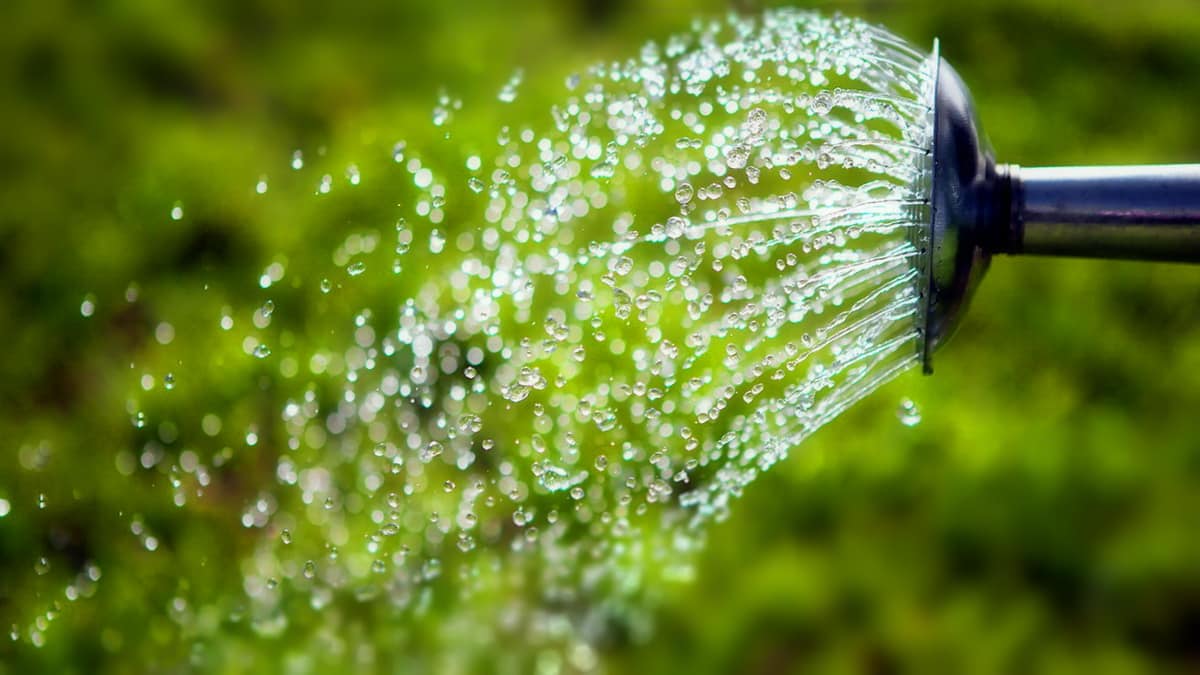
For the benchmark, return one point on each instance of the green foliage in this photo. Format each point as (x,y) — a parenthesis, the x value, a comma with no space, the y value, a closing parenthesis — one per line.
(1042,517)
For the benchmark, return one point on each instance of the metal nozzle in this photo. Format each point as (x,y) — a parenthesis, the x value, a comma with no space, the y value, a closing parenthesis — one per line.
(979,208)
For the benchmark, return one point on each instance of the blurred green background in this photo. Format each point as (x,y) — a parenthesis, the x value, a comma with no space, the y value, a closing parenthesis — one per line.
(1044,516)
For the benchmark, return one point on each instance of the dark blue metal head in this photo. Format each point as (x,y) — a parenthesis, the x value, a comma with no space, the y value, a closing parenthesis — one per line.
(963,204)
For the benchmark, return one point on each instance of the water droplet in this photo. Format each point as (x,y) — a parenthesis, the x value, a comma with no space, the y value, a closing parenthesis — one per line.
(676,227)
(431,450)
(683,193)
(736,156)
(623,265)
(908,414)
(756,122)
(822,103)
(508,93)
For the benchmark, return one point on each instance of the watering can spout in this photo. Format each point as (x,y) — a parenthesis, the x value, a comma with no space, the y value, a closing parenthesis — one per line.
(964,203)
(979,208)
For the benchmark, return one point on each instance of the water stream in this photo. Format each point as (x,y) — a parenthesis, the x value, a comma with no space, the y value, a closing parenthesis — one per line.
(575,359)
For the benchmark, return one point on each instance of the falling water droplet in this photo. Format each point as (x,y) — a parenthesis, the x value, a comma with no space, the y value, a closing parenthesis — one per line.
(683,193)
(736,156)
(822,103)
(908,414)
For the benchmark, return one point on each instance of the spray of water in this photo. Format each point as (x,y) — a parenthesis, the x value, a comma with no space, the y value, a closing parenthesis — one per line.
(575,358)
